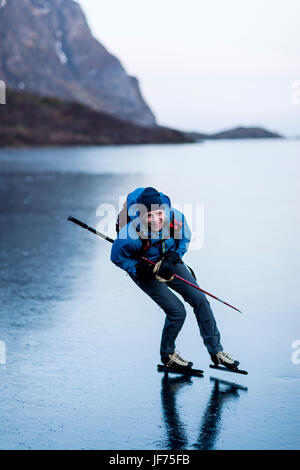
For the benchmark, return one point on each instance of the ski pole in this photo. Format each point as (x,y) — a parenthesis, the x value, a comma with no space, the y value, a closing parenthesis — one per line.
(196,287)
(104,237)
(90,229)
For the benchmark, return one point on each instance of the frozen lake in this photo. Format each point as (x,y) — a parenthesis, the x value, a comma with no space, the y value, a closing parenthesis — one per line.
(82,341)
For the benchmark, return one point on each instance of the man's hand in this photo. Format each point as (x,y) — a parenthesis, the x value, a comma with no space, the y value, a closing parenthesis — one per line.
(173,257)
(144,270)
(163,272)
(164,269)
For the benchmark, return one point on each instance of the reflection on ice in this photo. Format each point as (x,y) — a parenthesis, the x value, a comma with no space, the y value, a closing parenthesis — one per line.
(209,425)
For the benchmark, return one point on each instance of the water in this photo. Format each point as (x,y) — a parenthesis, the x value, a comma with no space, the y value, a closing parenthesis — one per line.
(82,341)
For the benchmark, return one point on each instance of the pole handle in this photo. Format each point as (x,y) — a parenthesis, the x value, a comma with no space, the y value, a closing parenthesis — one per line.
(78,222)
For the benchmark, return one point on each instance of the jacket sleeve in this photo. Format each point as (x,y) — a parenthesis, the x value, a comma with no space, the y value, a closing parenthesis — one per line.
(185,239)
(123,254)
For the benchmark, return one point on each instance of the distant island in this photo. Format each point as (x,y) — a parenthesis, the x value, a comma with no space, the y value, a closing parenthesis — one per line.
(237,133)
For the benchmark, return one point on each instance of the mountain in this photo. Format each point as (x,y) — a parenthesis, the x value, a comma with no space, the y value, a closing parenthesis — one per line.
(46,47)
(30,120)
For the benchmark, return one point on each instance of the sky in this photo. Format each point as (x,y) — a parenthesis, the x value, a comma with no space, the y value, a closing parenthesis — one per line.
(208,66)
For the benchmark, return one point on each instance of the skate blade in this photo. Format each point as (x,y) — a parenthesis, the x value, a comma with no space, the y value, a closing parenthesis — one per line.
(223,368)
(187,371)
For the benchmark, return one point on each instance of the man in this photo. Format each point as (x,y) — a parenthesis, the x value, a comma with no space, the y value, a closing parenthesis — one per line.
(155,230)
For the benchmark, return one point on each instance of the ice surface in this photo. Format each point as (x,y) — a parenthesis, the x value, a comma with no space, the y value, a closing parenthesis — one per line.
(82,341)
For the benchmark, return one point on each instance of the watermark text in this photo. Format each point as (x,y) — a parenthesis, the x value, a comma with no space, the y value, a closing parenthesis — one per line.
(2,352)
(296,92)
(2,92)
(186,223)
(295,358)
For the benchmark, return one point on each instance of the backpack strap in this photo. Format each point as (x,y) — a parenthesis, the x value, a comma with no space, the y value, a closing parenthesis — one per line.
(192,272)
(145,245)
(174,226)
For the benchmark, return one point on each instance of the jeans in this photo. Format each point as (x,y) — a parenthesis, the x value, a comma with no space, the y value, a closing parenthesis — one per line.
(175,311)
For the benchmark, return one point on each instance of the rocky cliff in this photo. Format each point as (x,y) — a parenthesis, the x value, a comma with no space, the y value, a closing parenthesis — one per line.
(46,47)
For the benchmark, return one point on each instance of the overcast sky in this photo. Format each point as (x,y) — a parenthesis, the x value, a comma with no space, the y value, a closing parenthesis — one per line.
(208,65)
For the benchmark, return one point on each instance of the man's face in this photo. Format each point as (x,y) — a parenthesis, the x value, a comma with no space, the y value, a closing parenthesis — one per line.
(155,219)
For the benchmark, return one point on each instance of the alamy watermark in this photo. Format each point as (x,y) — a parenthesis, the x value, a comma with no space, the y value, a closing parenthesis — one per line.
(2,92)
(296,92)
(2,352)
(189,214)
(295,358)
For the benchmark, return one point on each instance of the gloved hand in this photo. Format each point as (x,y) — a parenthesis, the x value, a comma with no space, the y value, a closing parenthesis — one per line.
(144,270)
(173,257)
(164,270)
(163,274)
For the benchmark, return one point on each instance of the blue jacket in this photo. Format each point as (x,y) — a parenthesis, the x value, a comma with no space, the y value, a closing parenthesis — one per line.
(127,248)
